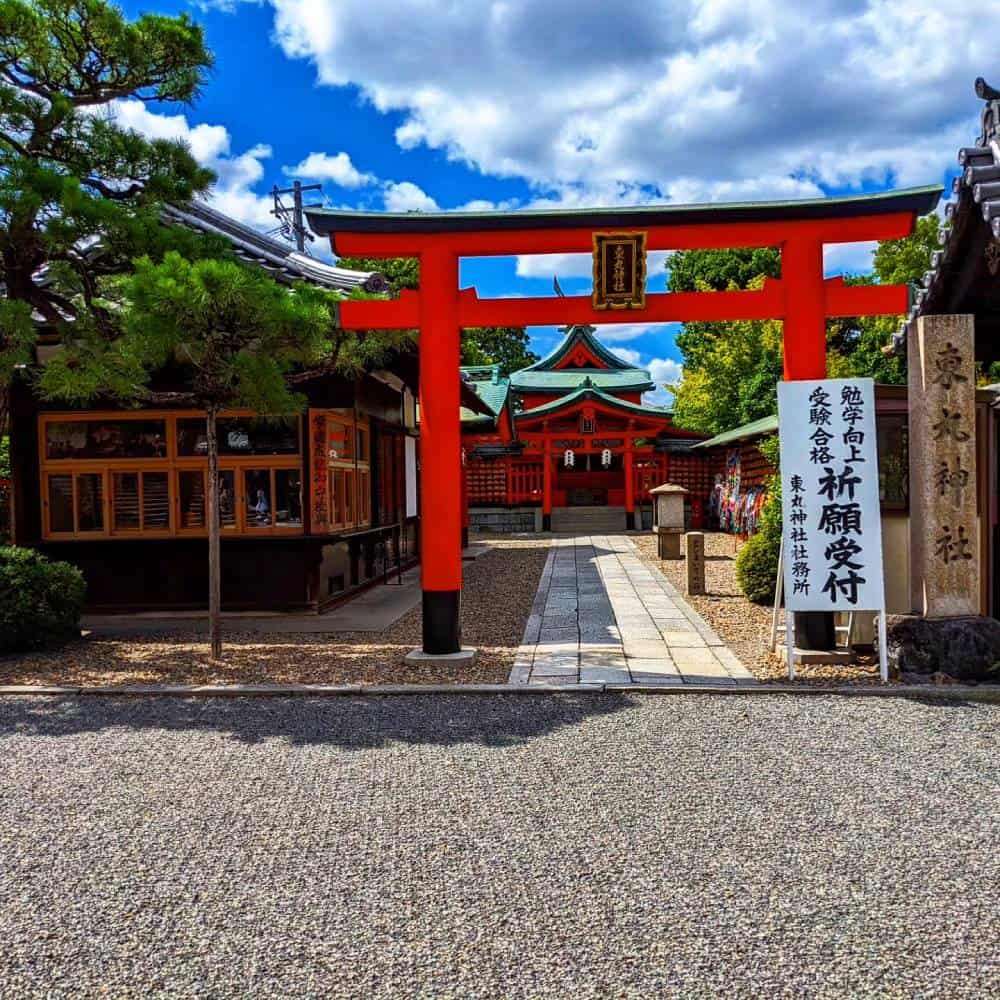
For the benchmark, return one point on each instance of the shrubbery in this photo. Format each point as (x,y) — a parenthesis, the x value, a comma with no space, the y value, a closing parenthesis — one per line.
(757,563)
(40,601)
(757,567)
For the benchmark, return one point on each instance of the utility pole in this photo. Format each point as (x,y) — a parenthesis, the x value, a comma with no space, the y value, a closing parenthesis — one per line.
(293,220)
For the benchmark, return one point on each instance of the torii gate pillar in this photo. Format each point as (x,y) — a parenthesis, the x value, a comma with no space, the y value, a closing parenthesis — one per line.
(440,458)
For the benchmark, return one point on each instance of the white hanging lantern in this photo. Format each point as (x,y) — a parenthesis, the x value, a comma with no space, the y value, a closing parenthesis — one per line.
(569,459)
(606,458)
(464,461)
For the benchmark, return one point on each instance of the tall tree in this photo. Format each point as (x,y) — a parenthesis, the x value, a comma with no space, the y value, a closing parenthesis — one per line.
(506,346)
(731,369)
(234,332)
(79,193)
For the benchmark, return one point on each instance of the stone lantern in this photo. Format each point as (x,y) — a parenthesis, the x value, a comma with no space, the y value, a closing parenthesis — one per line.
(668,519)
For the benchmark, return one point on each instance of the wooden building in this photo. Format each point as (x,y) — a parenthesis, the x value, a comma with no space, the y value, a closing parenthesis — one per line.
(312,508)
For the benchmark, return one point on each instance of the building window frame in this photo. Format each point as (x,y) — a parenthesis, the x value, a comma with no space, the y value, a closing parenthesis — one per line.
(174,466)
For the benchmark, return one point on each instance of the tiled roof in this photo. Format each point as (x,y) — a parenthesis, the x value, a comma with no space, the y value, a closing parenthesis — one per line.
(279,259)
(486,382)
(756,428)
(975,202)
(590,393)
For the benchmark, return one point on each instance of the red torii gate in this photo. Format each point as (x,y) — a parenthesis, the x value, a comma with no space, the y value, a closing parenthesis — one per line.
(801,298)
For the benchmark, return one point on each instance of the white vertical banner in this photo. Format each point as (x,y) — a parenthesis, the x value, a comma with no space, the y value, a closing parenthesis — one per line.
(830,498)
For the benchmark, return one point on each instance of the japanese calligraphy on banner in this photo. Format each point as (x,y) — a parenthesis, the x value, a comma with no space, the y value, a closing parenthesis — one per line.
(830,501)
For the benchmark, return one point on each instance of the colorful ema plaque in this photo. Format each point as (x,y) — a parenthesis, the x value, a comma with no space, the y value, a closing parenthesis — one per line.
(619,271)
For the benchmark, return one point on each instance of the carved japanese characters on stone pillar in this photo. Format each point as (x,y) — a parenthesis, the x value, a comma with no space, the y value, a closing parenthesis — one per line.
(944,533)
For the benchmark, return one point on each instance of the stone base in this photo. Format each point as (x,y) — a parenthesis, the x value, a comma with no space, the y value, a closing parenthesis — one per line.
(465,657)
(966,648)
(668,543)
(805,657)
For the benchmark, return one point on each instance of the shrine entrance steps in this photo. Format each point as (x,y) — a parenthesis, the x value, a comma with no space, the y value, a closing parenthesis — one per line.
(588,520)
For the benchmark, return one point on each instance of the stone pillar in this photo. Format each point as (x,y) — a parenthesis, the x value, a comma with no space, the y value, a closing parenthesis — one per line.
(694,543)
(944,532)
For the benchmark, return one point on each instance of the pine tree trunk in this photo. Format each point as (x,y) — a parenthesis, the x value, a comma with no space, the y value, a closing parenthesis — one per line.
(212,514)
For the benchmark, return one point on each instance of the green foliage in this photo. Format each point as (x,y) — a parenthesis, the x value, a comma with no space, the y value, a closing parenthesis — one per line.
(757,562)
(400,272)
(757,567)
(69,174)
(5,457)
(506,346)
(731,369)
(693,270)
(40,601)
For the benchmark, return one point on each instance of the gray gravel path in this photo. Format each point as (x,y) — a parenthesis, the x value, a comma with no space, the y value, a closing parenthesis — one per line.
(574,846)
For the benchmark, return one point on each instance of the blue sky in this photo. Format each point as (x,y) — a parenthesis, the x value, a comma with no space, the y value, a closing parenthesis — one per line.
(410,104)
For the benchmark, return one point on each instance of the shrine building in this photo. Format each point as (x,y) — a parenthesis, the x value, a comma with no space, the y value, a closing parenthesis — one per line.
(571,446)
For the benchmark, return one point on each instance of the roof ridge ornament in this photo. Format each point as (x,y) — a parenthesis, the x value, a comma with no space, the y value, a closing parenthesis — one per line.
(990,118)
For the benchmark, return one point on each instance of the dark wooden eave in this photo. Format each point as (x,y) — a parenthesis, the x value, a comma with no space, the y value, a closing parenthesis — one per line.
(965,273)
(919,201)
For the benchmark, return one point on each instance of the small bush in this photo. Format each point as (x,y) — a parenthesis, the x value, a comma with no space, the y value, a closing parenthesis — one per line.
(40,601)
(757,566)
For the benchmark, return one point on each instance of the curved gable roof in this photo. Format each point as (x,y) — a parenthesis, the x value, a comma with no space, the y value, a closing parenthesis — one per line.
(585,337)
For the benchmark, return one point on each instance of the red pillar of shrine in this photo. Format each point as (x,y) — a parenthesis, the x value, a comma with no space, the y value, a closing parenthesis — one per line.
(629,478)
(464,479)
(440,452)
(547,481)
(804,327)
(804,339)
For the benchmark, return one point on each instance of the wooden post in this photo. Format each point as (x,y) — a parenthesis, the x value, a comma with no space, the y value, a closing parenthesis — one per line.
(694,544)
(629,477)
(212,515)
(547,481)
(440,451)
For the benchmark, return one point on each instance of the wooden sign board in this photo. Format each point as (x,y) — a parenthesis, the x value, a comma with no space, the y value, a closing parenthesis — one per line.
(619,271)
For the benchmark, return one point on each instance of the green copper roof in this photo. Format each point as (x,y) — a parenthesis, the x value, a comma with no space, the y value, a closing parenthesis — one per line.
(588,393)
(756,428)
(585,336)
(920,201)
(487,384)
(568,379)
(485,381)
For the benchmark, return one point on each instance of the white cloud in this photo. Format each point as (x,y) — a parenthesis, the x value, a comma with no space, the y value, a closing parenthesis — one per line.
(663,371)
(338,169)
(688,101)
(211,147)
(848,258)
(404,196)
(575,265)
(628,355)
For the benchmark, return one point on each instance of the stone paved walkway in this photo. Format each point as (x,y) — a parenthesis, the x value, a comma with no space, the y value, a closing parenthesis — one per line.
(602,616)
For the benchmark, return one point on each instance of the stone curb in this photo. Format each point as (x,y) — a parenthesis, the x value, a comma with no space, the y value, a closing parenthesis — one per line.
(984,693)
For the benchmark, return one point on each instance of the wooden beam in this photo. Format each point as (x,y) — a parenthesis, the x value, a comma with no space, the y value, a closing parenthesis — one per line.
(664,307)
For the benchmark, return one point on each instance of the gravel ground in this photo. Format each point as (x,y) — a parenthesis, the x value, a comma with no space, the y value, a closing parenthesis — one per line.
(744,626)
(499,588)
(545,847)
